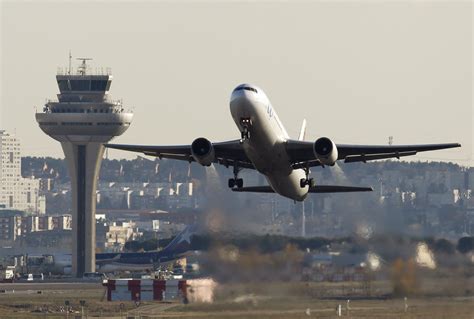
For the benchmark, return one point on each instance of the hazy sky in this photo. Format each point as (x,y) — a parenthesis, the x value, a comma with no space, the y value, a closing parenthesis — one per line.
(357,71)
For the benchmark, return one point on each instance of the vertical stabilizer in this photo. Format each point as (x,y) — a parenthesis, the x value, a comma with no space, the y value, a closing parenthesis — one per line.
(302,131)
(182,242)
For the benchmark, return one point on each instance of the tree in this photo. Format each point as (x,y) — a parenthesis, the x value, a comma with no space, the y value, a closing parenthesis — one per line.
(465,245)
(124,202)
(444,246)
(133,246)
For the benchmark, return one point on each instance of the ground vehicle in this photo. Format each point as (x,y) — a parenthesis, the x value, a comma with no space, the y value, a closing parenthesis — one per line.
(178,272)
(94,276)
(27,277)
(7,274)
(37,277)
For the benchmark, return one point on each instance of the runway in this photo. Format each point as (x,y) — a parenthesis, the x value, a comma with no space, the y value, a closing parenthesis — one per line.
(265,300)
(57,286)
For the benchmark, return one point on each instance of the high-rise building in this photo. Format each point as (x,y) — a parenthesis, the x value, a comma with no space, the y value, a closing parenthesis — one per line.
(82,119)
(9,169)
(16,192)
(10,228)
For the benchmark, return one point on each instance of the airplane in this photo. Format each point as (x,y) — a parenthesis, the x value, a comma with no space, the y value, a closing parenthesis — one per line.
(266,147)
(177,248)
(111,262)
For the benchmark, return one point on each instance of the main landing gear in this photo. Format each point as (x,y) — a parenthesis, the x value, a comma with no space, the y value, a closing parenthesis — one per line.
(245,134)
(307,181)
(233,182)
(236,181)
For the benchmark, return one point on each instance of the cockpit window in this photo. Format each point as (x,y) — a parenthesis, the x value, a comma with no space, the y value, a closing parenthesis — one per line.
(247,88)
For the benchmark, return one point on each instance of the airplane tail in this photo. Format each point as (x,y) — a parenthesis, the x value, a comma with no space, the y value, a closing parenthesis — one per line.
(182,242)
(302,131)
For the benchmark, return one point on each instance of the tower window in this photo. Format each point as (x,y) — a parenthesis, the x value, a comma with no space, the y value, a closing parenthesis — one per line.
(80,85)
(63,85)
(98,85)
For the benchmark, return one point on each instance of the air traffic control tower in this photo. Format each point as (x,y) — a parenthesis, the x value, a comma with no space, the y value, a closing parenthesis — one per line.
(82,118)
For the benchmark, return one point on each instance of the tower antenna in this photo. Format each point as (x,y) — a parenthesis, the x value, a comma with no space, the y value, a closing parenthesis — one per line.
(70,58)
(390,140)
(83,67)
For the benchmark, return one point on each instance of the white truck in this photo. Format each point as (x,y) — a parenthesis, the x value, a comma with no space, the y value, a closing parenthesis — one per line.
(7,273)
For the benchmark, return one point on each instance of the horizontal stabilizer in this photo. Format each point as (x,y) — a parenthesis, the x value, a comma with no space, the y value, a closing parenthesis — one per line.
(338,189)
(314,189)
(254,189)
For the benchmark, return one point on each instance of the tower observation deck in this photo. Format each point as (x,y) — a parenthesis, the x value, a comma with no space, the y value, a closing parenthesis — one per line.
(82,118)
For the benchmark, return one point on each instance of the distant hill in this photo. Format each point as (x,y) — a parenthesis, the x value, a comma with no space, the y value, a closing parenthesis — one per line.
(136,170)
(144,170)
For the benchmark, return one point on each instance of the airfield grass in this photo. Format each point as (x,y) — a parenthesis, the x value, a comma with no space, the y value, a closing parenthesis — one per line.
(252,300)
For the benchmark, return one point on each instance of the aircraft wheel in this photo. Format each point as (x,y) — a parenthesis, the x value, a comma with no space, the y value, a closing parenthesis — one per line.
(240,182)
(303,182)
(245,134)
(231,182)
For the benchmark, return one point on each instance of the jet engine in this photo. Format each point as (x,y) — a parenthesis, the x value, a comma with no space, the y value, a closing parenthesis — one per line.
(325,151)
(202,151)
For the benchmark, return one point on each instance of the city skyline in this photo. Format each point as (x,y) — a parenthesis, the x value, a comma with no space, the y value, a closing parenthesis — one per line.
(380,73)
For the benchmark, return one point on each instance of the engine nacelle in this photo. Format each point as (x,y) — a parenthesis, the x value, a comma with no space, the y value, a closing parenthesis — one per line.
(202,151)
(325,151)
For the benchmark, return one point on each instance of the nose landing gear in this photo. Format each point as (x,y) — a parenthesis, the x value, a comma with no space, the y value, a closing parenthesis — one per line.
(245,134)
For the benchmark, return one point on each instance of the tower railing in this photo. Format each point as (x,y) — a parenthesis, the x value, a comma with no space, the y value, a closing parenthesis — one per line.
(89,71)
(105,100)
(117,107)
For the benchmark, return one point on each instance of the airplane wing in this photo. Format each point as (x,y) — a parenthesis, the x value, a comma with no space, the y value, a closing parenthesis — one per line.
(227,153)
(314,189)
(302,155)
(300,152)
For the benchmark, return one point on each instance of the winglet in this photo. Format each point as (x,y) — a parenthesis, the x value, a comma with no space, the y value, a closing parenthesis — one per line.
(302,131)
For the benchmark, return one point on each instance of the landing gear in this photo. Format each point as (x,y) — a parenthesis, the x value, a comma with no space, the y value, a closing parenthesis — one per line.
(307,181)
(236,181)
(245,134)
(233,182)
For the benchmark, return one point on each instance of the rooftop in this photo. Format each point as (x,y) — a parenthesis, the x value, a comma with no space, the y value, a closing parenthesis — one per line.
(65,71)
(83,69)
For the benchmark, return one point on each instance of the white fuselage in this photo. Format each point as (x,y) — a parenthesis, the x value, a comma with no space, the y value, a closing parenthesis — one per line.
(266,145)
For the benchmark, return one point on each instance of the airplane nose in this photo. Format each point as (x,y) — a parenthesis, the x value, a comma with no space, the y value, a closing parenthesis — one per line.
(242,103)
(244,92)
(239,96)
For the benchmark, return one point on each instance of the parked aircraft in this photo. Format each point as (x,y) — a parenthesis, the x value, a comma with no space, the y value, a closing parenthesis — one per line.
(110,262)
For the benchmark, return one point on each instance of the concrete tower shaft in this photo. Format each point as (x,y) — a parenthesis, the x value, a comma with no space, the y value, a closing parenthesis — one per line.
(82,118)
